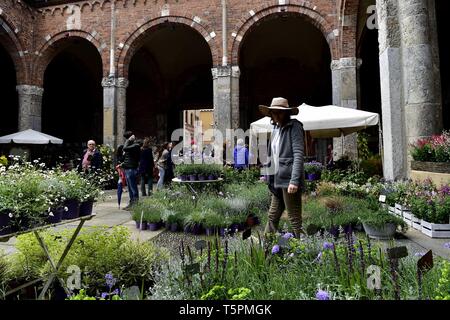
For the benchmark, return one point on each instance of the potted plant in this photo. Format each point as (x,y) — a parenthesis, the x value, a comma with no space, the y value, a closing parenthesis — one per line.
(90,193)
(193,222)
(153,218)
(212,221)
(380,224)
(431,157)
(435,221)
(181,172)
(313,170)
(73,194)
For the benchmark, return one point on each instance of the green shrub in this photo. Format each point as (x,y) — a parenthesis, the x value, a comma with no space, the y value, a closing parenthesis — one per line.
(380,218)
(96,252)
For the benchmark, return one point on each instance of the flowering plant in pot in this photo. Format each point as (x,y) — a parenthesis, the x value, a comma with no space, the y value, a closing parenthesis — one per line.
(73,186)
(90,192)
(23,202)
(313,170)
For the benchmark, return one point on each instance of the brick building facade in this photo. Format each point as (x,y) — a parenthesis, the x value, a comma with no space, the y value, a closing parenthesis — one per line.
(82,69)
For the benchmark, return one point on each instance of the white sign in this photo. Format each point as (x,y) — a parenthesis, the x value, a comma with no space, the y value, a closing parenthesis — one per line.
(382,198)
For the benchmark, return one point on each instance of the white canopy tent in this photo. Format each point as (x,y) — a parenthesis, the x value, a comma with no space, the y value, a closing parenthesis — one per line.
(326,121)
(322,122)
(30,137)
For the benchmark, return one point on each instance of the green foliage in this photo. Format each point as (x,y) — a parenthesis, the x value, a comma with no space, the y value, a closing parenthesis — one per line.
(296,272)
(382,217)
(247,176)
(97,251)
(221,293)
(443,290)
(200,169)
(363,146)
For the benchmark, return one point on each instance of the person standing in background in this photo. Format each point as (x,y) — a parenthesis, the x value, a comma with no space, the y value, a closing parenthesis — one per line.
(146,165)
(130,164)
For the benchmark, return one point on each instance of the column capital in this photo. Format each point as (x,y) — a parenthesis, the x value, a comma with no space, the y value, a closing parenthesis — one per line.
(29,90)
(226,71)
(345,63)
(109,81)
(122,83)
(112,81)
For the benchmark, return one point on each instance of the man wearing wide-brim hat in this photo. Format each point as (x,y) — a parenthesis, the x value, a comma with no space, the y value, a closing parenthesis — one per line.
(286,177)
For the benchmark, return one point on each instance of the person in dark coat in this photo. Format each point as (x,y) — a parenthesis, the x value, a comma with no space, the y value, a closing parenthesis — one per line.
(286,152)
(132,155)
(91,159)
(146,166)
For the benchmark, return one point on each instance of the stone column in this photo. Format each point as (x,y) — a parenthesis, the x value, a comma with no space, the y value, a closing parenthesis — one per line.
(394,142)
(30,107)
(121,95)
(421,81)
(345,95)
(114,109)
(226,97)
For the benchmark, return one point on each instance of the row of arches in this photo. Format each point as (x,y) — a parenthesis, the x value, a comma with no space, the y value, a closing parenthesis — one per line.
(169,70)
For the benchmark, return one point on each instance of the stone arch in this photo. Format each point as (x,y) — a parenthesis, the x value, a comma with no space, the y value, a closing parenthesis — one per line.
(14,47)
(51,47)
(136,39)
(305,10)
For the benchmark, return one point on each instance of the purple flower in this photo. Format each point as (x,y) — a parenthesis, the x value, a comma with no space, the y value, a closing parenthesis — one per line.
(110,280)
(115,292)
(275,249)
(104,295)
(322,295)
(328,245)
(288,235)
(447,245)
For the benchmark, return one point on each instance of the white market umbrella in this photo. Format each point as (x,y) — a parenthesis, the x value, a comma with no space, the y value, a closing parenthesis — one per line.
(30,137)
(326,121)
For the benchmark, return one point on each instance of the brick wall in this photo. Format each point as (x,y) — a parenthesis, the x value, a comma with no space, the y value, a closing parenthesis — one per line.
(40,32)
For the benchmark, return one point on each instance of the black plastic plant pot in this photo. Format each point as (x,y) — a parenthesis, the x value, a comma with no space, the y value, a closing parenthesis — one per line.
(174,227)
(73,209)
(183,177)
(86,208)
(57,215)
(5,221)
(193,177)
(201,177)
(153,226)
(144,225)
(210,231)
(138,225)
(197,229)
(212,177)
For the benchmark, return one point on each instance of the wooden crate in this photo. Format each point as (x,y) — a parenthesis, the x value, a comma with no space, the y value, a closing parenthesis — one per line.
(434,230)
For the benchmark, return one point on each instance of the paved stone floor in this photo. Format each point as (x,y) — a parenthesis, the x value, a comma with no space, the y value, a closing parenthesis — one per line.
(108,214)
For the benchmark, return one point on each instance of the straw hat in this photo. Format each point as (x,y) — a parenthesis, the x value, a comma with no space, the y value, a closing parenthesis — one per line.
(278,104)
